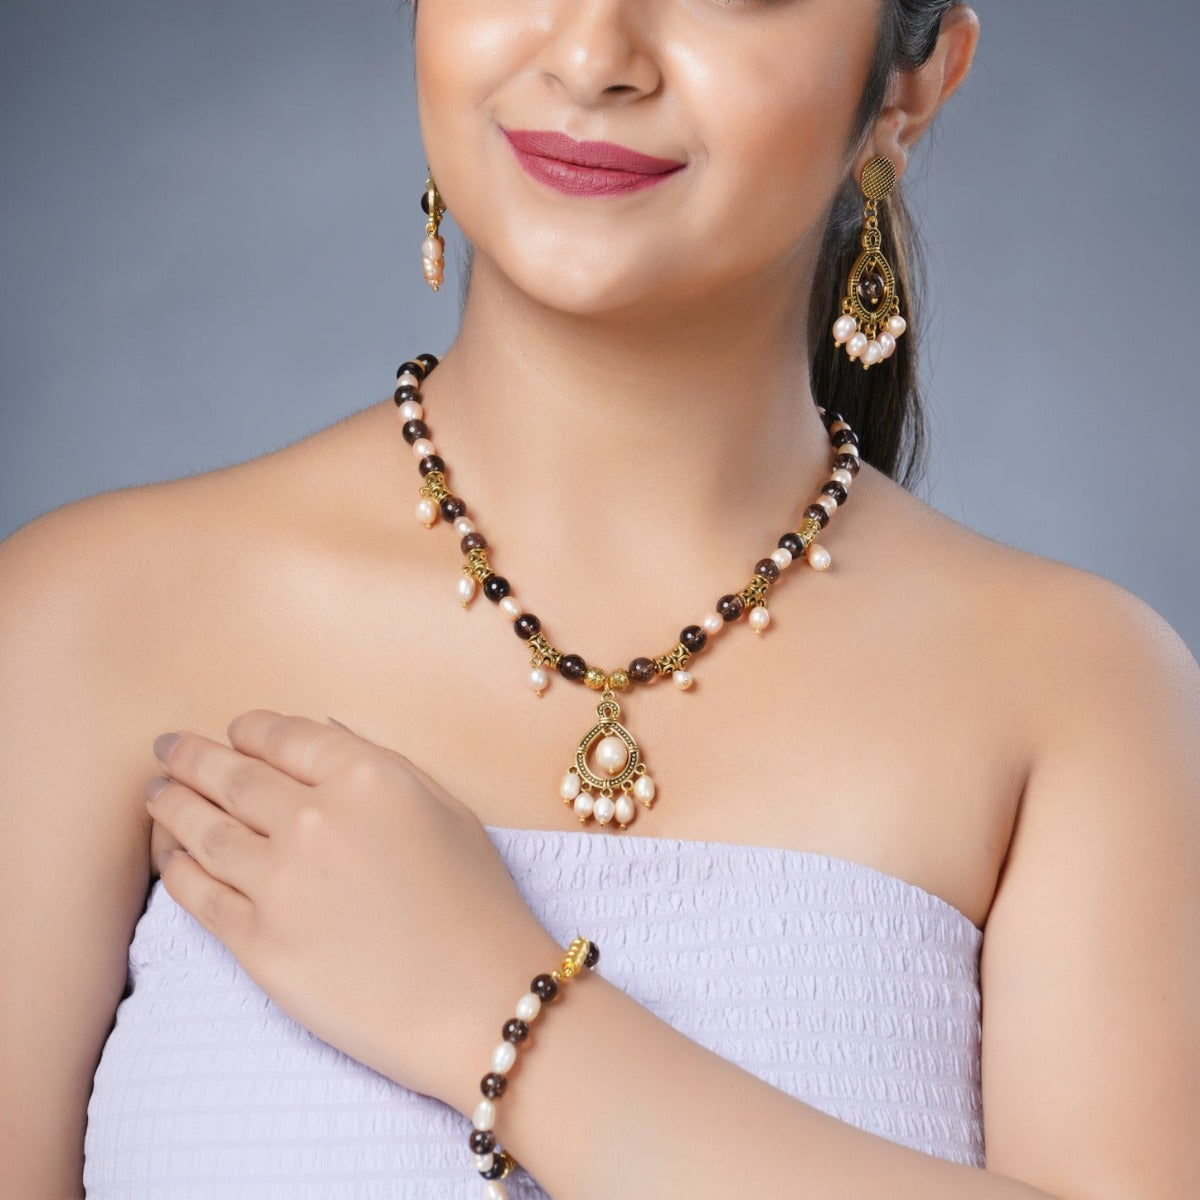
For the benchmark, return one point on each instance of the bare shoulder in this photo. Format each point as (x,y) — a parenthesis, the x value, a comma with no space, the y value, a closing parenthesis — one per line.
(1089,976)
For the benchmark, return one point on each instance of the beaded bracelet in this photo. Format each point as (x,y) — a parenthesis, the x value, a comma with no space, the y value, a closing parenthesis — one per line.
(490,1161)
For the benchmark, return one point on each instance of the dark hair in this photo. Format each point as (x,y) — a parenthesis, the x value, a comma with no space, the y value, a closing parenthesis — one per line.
(882,405)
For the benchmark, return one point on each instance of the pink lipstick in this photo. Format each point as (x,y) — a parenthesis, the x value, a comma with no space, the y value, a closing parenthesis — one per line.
(586,168)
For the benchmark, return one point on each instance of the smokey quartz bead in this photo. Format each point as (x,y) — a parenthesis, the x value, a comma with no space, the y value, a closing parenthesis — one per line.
(835,489)
(818,514)
(495,588)
(429,360)
(843,436)
(768,568)
(641,670)
(481,1141)
(472,541)
(411,430)
(545,987)
(452,507)
(730,607)
(847,462)
(405,392)
(793,543)
(593,955)
(431,462)
(526,626)
(693,637)
(412,368)
(571,666)
(492,1085)
(515,1030)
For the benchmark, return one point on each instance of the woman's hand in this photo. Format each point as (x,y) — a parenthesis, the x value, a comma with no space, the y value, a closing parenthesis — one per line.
(367,902)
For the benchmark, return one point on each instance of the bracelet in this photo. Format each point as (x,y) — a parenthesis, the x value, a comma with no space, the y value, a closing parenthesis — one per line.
(490,1161)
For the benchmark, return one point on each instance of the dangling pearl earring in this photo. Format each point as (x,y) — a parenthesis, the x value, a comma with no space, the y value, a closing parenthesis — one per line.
(433,247)
(871,322)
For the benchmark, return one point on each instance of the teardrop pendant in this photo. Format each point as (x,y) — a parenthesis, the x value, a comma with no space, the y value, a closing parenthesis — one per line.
(609,795)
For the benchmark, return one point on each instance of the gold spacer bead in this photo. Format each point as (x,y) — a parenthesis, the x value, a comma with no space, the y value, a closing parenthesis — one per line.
(618,680)
(596,679)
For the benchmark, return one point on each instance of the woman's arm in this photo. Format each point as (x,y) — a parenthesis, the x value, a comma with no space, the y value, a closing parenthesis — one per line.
(73,869)
(1090,978)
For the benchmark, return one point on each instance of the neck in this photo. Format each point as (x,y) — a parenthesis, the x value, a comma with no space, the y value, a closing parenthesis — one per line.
(622,450)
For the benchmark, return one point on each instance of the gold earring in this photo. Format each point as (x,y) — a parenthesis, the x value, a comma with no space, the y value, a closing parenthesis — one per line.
(871,322)
(433,247)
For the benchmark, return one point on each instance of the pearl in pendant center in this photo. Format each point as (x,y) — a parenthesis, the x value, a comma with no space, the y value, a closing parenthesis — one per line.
(611,754)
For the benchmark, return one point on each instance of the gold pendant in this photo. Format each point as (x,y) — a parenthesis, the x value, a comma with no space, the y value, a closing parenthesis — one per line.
(621,779)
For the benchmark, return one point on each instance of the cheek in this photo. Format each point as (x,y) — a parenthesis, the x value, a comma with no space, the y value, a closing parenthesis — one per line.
(779,153)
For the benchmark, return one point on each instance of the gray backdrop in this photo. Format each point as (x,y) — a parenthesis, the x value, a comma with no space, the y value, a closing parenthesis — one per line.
(209,233)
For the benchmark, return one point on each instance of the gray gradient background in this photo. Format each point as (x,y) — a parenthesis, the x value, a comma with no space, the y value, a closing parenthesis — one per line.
(209,233)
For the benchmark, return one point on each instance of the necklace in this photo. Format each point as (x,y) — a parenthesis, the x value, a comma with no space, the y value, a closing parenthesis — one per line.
(619,777)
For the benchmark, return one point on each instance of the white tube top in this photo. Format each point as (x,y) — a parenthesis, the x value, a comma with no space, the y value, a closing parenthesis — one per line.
(851,989)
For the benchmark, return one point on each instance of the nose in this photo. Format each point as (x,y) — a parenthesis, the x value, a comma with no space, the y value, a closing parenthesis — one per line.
(601,50)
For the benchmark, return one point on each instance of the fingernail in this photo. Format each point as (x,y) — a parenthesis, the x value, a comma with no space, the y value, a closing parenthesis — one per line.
(164,744)
(155,784)
(335,721)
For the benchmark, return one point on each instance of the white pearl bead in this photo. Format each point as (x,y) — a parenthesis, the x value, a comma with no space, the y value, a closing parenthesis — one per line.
(427,511)
(683,679)
(818,556)
(759,618)
(584,803)
(603,809)
(643,787)
(421,447)
(408,379)
(713,624)
(843,327)
(466,589)
(432,267)
(896,326)
(611,754)
(510,607)
(433,246)
(464,525)
(848,448)
(625,809)
(842,476)
(569,788)
(482,1162)
(485,1115)
(856,345)
(528,1006)
(493,1189)
(888,343)
(539,679)
(873,353)
(503,1057)
(410,410)
(827,502)
(781,558)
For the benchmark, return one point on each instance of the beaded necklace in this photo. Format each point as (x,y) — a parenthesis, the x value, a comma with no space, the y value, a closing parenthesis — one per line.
(620,777)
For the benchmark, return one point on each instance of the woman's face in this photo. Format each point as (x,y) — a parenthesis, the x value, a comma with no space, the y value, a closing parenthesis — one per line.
(755,97)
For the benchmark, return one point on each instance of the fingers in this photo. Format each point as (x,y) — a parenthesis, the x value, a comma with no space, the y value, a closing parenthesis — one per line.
(306,750)
(220,843)
(244,786)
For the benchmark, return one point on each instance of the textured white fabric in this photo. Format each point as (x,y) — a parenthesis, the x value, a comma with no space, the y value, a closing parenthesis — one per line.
(851,989)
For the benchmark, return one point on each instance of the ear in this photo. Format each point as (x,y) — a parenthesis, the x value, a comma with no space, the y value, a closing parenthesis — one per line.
(915,96)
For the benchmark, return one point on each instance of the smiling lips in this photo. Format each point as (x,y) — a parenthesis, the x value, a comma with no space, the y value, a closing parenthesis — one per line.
(586,168)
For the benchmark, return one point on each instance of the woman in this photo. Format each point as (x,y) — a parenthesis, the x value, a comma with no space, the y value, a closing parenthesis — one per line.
(950,779)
